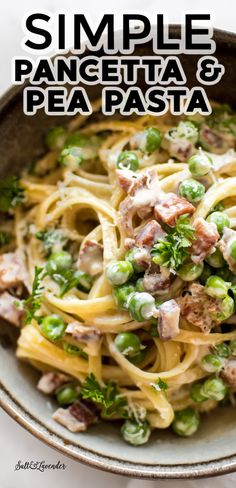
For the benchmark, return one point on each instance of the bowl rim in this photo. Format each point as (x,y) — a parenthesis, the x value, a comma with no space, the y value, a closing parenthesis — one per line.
(17,412)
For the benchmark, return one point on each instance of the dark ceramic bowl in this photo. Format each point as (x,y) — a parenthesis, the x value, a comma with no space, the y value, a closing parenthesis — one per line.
(212,451)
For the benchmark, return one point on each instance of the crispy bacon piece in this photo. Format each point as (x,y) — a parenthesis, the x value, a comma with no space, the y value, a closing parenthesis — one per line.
(49,382)
(12,270)
(8,309)
(143,194)
(200,309)
(76,418)
(171,207)
(214,141)
(155,283)
(149,234)
(206,236)
(181,149)
(228,372)
(125,179)
(91,258)
(228,236)
(168,323)
(83,333)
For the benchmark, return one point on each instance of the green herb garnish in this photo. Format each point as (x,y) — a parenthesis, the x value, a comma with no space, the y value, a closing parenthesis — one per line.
(4,238)
(159,385)
(11,193)
(174,249)
(33,303)
(107,396)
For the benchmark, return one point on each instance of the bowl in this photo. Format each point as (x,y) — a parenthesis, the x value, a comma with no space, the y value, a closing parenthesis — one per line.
(212,450)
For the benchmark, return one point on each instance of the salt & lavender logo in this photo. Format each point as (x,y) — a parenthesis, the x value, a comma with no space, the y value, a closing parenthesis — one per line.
(39,466)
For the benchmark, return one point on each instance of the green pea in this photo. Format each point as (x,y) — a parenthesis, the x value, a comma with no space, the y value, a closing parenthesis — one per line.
(139,285)
(133,257)
(216,287)
(83,281)
(128,160)
(53,327)
(192,190)
(67,394)
(128,343)
(225,273)
(119,272)
(216,259)
(153,139)
(207,271)
(74,350)
(135,433)
(138,358)
(200,164)
(196,393)
(76,139)
(59,262)
(56,137)
(141,306)
(186,422)
(190,271)
(233,347)
(72,157)
(232,250)
(215,389)
(220,219)
(222,349)
(122,293)
(212,363)
(226,309)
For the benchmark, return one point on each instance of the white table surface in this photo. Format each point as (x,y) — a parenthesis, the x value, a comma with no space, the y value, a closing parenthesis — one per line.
(16,443)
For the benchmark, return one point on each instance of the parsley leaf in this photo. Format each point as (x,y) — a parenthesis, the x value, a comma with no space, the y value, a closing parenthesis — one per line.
(53,240)
(4,238)
(173,251)
(66,281)
(159,385)
(108,397)
(33,303)
(11,193)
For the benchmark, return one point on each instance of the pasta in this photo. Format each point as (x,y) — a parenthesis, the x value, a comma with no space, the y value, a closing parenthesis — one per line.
(123,236)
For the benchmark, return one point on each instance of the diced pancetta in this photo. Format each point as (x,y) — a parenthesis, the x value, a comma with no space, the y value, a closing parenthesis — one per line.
(155,283)
(49,382)
(91,258)
(83,333)
(206,236)
(181,149)
(149,234)
(200,309)
(215,141)
(143,194)
(10,309)
(171,207)
(168,322)
(76,418)
(229,235)
(12,270)
(228,372)
(125,179)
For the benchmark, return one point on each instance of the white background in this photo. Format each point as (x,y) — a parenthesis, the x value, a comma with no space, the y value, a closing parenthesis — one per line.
(15,443)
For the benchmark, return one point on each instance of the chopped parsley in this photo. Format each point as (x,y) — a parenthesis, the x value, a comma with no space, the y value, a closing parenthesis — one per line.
(4,238)
(11,193)
(74,350)
(159,385)
(33,303)
(51,238)
(173,251)
(107,396)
